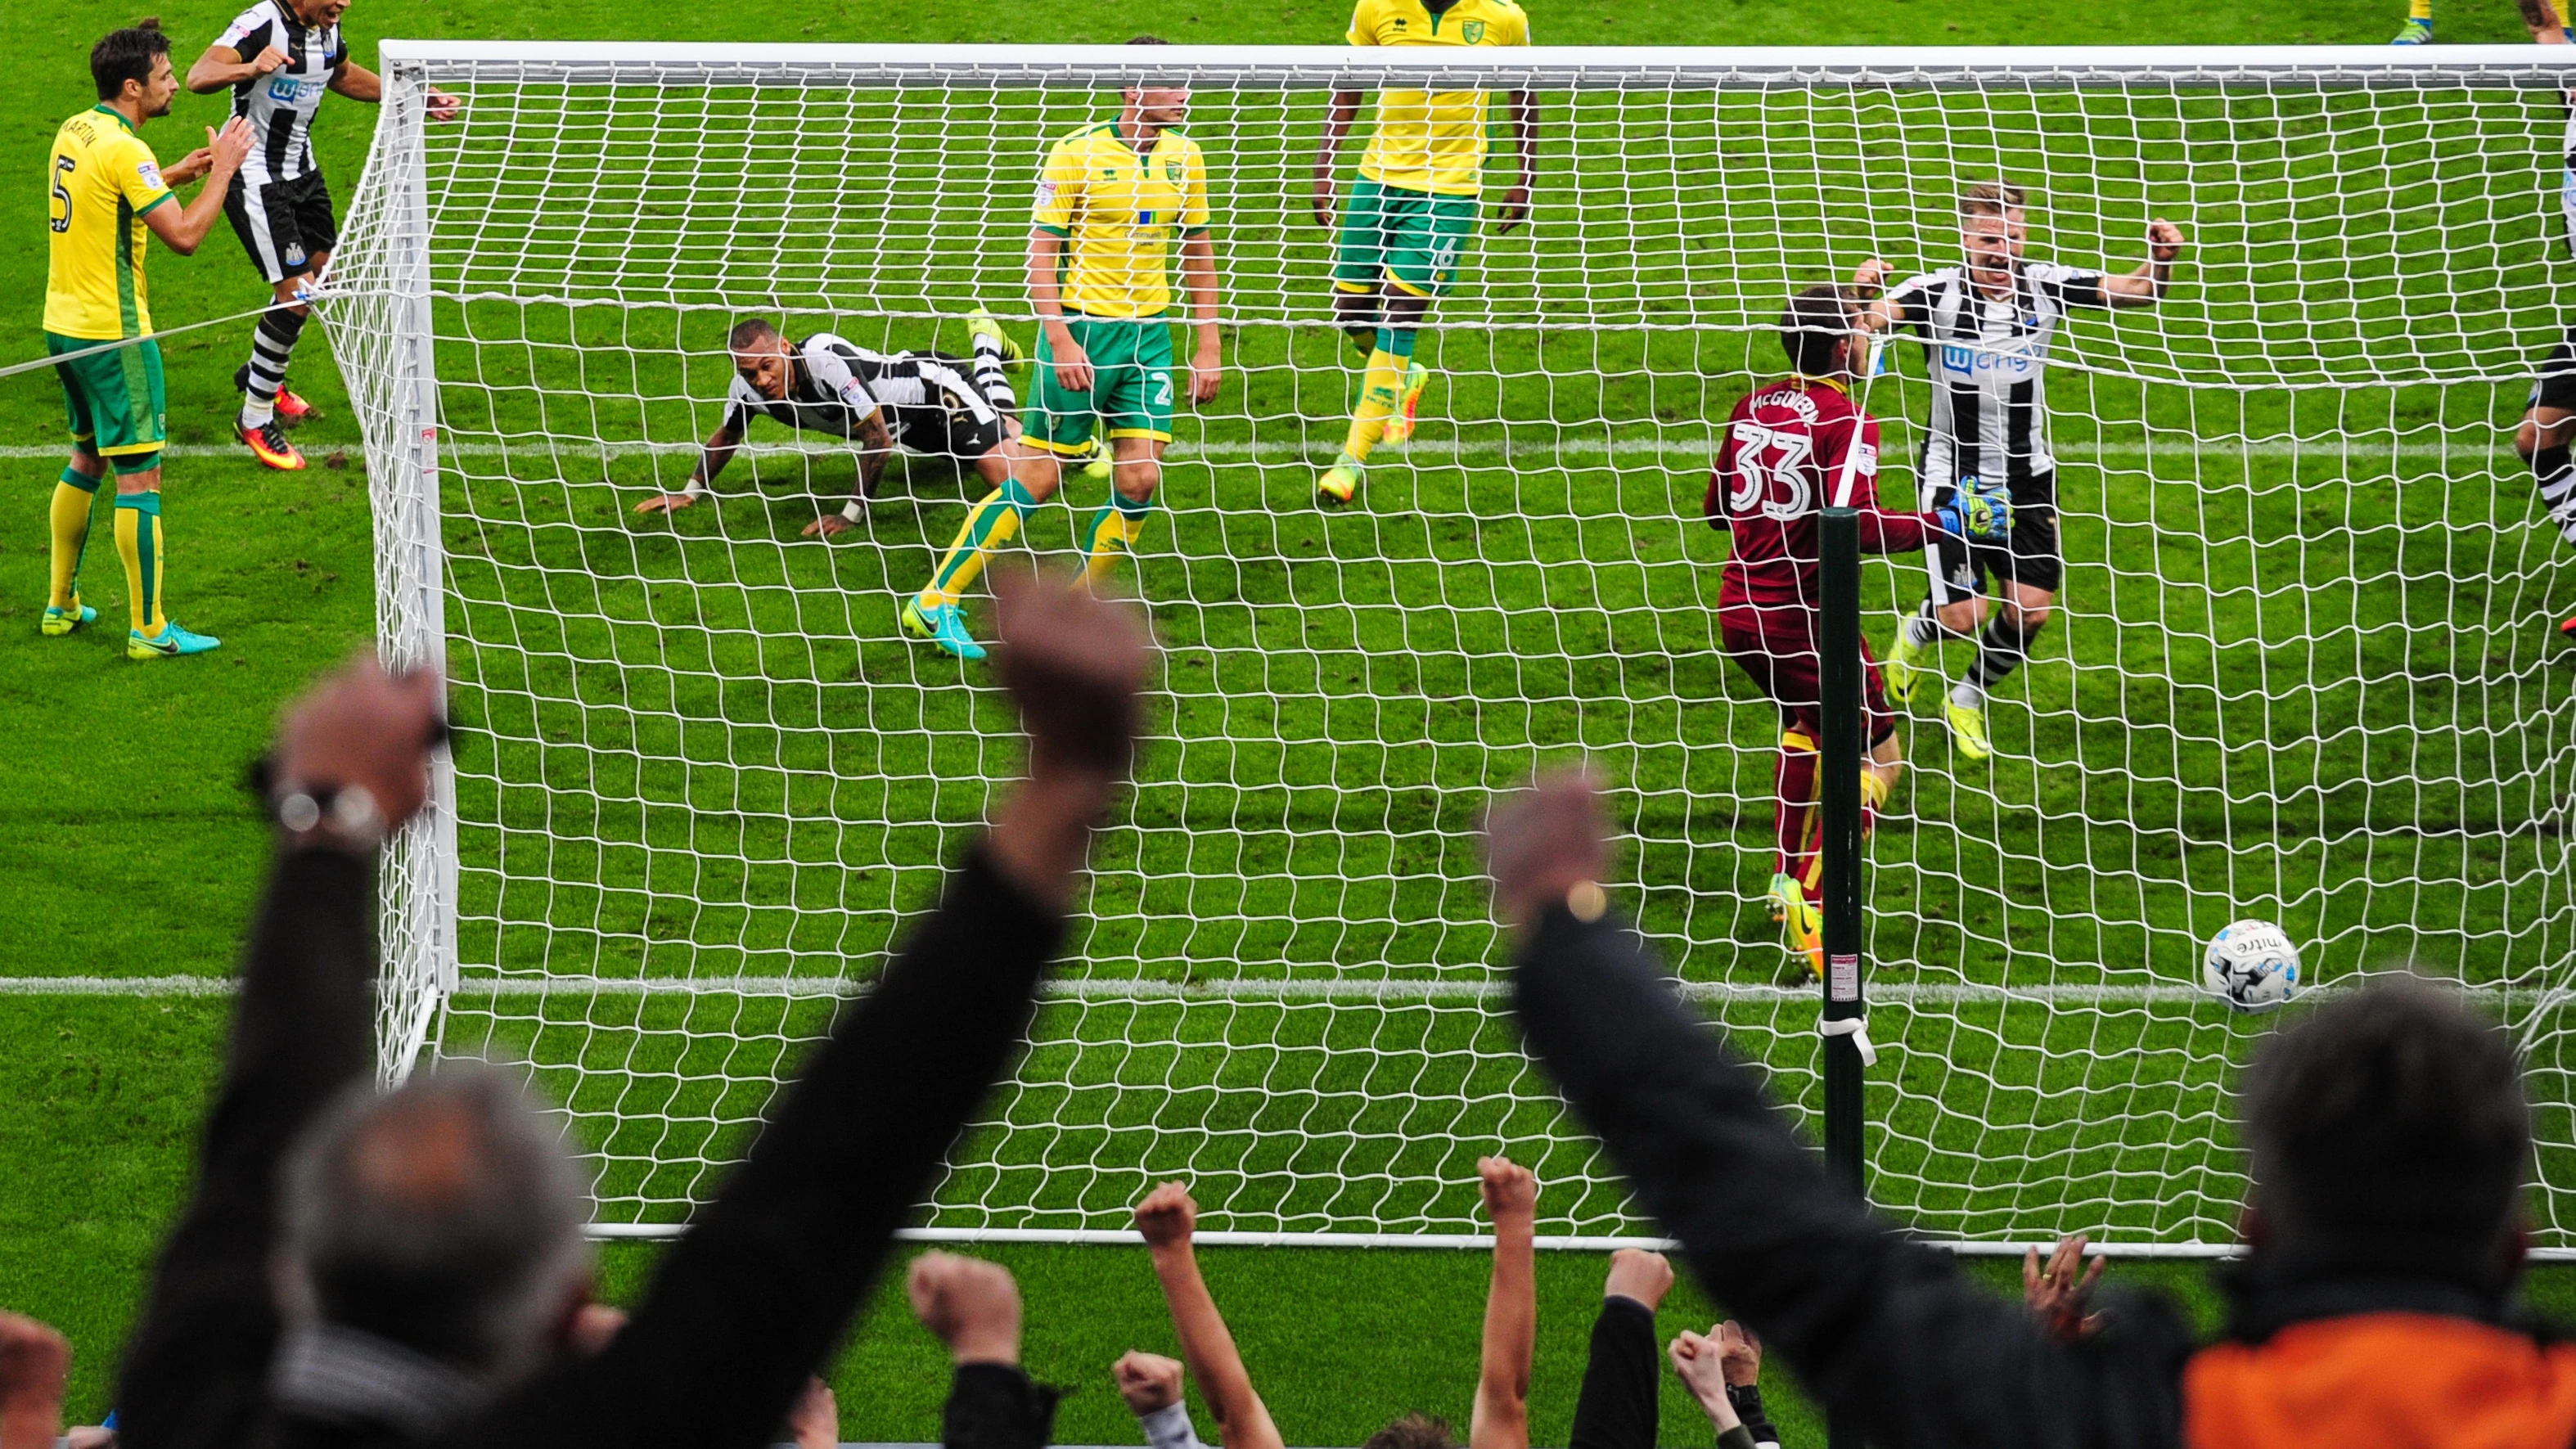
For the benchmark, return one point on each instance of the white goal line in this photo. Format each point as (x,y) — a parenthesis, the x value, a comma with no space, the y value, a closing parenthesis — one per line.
(1254,991)
(1293,452)
(1314,990)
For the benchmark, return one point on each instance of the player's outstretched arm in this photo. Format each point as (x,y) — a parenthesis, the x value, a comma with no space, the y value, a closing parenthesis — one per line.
(361,84)
(222,68)
(183,228)
(719,451)
(357,83)
(1168,1219)
(2154,276)
(1501,1418)
(1878,311)
(1340,113)
(1522,107)
(876,447)
(2546,22)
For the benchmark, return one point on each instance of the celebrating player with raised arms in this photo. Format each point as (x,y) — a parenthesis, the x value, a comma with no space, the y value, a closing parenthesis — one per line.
(277,58)
(1408,217)
(1985,328)
(1794,447)
(106,198)
(1114,202)
(929,402)
(2549,415)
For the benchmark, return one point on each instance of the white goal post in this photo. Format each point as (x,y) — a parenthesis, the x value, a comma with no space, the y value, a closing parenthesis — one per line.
(2302,665)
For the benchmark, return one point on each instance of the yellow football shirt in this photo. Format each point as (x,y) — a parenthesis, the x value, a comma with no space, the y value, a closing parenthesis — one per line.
(1123,213)
(102,180)
(1432,140)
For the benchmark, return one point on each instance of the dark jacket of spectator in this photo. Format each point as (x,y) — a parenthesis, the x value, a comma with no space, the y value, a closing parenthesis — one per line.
(2339,1338)
(743,1308)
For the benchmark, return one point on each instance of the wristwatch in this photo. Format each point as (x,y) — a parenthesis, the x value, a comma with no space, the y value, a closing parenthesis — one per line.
(1586,901)
(342,815)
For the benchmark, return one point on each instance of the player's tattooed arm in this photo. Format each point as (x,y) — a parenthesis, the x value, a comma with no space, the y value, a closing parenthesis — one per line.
(1339,115)
(719,451)
(1522,107)
(876,446)
(2154,276)
(2543,20)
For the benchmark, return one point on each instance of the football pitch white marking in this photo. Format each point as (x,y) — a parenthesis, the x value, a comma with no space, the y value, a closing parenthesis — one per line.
(118,986)
(1291,452)
(1899,993)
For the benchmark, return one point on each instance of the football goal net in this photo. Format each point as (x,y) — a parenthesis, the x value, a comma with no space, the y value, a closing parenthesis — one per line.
(2302,665)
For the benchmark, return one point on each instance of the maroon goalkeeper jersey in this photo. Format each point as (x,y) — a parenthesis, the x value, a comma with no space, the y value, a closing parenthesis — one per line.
(1792,448)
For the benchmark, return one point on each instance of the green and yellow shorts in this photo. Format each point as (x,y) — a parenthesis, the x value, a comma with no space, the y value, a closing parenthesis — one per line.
(1410,238)
(113,399)
(1131,386)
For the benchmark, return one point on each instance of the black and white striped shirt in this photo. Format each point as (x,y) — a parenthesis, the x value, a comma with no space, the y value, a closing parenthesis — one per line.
(924,390)
(824,393)
(837,382)
(1988,358)
(280,105)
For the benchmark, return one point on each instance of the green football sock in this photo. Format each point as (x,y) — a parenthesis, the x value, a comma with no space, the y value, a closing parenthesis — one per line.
(138,542)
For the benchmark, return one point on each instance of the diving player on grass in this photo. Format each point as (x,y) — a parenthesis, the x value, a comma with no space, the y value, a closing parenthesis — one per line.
(1411,211)
(106,198)
(1792,448)
(929,402)
(1117,196)
(1985,328)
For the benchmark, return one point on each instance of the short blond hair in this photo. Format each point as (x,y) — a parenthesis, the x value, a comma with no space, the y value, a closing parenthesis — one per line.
(1992,198)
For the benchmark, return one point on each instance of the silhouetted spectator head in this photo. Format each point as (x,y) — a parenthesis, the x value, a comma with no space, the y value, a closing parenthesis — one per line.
(2389,1120)
(444,1216)
(1413,1431)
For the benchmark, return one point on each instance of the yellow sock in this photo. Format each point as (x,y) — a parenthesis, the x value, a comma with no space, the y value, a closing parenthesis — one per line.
(1111,536)
(1381,388)
(2419,10)
(70,517)
(138,542)
(991,523)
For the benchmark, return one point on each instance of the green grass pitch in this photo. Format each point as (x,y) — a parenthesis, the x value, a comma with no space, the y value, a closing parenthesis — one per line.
(134,853)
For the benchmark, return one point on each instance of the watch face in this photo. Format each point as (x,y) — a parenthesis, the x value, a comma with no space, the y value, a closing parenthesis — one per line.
(1588,901)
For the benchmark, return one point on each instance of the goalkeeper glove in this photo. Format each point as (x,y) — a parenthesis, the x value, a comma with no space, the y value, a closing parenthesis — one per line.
(1977,511)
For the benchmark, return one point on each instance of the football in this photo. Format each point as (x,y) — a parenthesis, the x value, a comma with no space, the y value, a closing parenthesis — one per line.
(2252,966)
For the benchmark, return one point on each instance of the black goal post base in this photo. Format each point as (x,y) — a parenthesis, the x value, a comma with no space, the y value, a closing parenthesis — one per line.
(1842,752)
